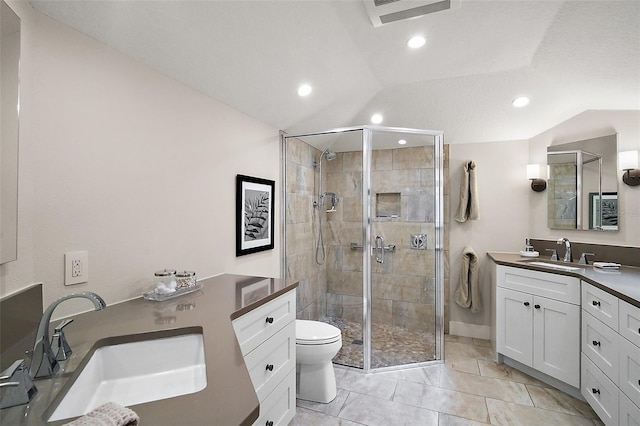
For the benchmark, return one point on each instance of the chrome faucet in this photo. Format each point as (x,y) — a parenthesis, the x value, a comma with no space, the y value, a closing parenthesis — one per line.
(567,245)
(44,362)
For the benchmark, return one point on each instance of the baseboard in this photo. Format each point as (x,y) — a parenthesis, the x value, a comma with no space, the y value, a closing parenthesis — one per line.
(470,330)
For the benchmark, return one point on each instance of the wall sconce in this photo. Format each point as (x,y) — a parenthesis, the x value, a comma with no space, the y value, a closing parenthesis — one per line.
(533,174)
(628,161)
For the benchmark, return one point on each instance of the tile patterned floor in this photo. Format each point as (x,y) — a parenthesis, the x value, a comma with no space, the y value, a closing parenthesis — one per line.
(390,345)
(469,389)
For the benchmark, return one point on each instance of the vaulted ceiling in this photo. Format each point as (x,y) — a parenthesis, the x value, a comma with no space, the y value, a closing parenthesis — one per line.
(566,56)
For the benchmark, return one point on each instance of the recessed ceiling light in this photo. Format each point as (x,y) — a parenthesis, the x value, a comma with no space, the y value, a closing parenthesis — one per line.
(415,42)
(520,102)
(402,142)
(304,90)
(376,118)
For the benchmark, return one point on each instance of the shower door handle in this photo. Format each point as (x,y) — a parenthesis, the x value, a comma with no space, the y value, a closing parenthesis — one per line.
(379,249)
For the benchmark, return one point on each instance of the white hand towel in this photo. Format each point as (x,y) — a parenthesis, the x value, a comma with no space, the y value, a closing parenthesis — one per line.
(109,414)
(468,207)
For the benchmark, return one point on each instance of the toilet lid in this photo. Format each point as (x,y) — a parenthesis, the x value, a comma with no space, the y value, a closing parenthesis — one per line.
(316,332)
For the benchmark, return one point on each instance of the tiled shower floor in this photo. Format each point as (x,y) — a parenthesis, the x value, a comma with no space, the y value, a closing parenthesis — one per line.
(390,345)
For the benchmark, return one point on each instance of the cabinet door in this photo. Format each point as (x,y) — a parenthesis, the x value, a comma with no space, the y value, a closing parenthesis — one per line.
(629,412)
(629,380)
(629,322)
(556,341)
(514,328)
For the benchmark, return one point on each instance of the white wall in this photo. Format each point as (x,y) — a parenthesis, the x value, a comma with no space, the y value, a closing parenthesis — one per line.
(132,166)
(591,124)
(504,213)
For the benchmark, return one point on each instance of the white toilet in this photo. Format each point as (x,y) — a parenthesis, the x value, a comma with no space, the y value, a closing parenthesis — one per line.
(316,344)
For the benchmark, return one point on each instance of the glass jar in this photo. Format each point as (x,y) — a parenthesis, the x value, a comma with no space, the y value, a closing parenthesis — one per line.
(185,279)
(165,281)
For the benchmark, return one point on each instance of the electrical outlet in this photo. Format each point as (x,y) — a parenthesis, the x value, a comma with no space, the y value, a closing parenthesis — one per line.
(76,267)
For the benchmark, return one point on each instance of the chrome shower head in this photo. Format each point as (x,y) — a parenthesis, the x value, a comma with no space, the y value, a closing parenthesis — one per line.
(328,154)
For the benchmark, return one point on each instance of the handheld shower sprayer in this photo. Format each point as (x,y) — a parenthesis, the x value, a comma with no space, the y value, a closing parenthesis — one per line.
(321,256)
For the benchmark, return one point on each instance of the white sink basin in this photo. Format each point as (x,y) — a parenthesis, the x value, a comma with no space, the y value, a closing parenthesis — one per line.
(554,266)
(138,372)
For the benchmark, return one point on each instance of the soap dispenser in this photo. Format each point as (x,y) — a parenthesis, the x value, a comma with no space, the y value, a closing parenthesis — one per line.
(529,251)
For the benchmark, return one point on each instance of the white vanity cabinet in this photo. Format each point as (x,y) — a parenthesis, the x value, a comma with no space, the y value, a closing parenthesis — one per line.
(610,356)
(538,321)
(267,339)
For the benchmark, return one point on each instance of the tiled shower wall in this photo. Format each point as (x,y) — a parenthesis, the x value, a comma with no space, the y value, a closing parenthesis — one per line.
(403,287)
(301,231)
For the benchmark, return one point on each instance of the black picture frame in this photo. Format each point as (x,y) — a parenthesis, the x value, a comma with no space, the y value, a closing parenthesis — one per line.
(609,212)
(255,214)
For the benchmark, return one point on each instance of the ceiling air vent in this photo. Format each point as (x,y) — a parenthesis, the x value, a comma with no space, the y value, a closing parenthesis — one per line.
(386,11)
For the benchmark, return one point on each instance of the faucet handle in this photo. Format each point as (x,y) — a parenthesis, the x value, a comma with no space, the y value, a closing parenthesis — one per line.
(9,372)
(583,258)
(554,255)
(62,325)
(59,344)
(20,389)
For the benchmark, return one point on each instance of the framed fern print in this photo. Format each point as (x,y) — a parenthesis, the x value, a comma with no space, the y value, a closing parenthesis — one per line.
(254,214)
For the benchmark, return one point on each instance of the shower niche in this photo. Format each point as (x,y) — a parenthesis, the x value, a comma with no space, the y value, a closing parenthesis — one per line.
(354,200)
(388,204)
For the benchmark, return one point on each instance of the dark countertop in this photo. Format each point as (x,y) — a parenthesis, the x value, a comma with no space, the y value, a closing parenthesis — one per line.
(228,399)
(624,284)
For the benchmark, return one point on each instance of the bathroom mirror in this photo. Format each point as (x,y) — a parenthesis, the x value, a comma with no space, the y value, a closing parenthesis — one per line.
(583,185)
(9,107)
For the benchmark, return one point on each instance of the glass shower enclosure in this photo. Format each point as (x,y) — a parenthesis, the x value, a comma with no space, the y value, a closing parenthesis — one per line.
(362,231)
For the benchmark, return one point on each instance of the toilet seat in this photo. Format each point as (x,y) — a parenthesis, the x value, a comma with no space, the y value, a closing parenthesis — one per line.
(316,333)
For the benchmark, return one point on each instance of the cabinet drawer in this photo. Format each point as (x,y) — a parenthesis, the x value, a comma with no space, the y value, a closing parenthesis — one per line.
(600,392)
(629,412)
(553,286)
(629,322)
(600,304)
(270,362)
(600,344)
(279,406)
(258,325)
(629,380)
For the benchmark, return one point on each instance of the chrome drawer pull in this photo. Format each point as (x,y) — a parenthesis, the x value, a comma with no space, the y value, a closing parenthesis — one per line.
(596,343)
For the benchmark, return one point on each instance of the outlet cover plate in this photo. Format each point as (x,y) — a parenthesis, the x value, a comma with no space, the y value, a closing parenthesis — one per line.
(76,267)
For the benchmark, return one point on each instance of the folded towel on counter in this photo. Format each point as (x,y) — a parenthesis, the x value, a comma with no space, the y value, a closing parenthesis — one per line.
(468,207)
(109,414)
(607,265)
(467,294)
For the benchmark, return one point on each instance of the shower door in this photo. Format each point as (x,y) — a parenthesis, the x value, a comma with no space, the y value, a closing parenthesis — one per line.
(405,217)
(363,237)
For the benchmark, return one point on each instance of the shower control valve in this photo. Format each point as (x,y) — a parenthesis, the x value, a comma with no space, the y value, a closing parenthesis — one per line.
(418,241)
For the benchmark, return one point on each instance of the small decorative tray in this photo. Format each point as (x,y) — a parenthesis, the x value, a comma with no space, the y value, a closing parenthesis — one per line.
(529,253)
(157,297)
